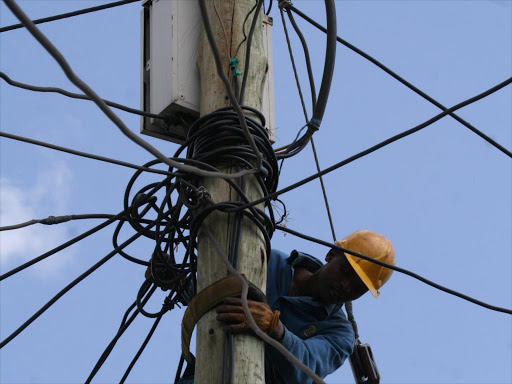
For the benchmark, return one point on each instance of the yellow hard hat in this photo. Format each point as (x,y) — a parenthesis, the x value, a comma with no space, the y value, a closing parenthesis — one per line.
(375,246)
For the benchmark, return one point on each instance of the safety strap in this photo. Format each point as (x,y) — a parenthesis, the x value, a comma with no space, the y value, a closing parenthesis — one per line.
(206,300)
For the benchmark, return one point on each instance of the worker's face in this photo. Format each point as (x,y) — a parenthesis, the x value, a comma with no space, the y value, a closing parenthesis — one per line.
(338,282)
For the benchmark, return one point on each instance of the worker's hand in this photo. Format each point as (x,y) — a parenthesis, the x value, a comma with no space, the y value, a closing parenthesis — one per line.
(231,312)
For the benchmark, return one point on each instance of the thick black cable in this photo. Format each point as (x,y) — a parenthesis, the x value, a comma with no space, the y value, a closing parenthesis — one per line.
(398,269)
(79,96)
(55,53)
(330,58)
(404,82)
(61,247)
(51,220)
(69,14)
(330,55)
(141,349)
(79,153)
(379,145)
(269,7)
(68,287)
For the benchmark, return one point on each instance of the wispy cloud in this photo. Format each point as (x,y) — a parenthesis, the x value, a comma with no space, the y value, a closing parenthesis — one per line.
(48,195)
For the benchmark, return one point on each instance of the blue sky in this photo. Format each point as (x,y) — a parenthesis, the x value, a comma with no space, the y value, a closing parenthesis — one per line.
(441,195)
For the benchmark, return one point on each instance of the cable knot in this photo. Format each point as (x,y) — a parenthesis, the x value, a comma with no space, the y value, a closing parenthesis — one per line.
(51,220)
(168,303)
(284,4)
(314,124)
(203,196)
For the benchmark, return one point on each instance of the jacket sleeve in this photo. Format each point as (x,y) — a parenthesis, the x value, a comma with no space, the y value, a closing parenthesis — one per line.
(323,353)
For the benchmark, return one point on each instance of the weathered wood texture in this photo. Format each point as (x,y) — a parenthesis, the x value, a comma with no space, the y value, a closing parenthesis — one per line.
(248,350)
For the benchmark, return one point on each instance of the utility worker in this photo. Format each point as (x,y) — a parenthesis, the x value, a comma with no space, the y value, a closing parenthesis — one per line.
(304,300)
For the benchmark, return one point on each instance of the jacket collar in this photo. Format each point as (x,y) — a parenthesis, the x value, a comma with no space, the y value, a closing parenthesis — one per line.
(312,264)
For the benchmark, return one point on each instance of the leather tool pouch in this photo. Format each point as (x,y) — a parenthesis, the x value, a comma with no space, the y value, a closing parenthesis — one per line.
(363,365)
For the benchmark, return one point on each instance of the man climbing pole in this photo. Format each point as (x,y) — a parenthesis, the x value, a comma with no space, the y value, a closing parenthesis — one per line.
(304,300)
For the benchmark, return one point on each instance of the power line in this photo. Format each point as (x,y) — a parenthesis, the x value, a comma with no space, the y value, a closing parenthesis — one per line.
(79,96)
(69,14)
(380,145)
(82,154)
(141,349)
(398,269)
(50,220)
(404,82)
(61,247)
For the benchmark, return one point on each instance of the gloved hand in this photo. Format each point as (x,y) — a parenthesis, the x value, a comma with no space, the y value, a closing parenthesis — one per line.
(231,312)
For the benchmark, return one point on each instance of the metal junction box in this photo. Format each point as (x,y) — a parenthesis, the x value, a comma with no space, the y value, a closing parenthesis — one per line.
(170,31)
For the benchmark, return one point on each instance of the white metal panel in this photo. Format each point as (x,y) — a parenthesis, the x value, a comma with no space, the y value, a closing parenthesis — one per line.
(163,89)
(174,85)
(189,25)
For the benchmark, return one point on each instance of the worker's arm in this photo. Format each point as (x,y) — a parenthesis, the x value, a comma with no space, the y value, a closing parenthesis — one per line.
(323,353)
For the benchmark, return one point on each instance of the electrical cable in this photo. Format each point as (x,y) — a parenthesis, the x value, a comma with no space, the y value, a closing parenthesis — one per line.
(404,82)
(398,269)
(79,96)
(113,342)
(269,7)
(306,57)
(55,53)
(379,145)
(61,247)
(51,220)
(141,349)
(79,153)
(330,55)
(69,14)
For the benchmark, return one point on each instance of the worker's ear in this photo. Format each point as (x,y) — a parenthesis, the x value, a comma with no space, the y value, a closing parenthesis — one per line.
(333,252)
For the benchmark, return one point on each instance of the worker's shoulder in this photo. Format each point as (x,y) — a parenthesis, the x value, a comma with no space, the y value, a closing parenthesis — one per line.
(277,260)
(278,254)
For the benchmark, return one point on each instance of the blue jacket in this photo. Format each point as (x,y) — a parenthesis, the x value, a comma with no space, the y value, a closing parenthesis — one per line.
(319,334)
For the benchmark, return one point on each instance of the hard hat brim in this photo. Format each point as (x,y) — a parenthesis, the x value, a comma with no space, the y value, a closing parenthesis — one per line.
(363,276)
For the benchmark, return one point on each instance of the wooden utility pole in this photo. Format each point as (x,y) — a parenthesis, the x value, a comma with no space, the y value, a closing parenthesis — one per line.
(248,356)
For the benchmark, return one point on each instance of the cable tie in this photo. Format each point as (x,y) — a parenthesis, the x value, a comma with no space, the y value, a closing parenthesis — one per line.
(202,195)
(233,63)
(51,220)
(284,4)
(314,124)
(168,303)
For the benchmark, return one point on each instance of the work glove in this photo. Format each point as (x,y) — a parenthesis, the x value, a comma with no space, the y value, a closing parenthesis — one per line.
(231,312)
